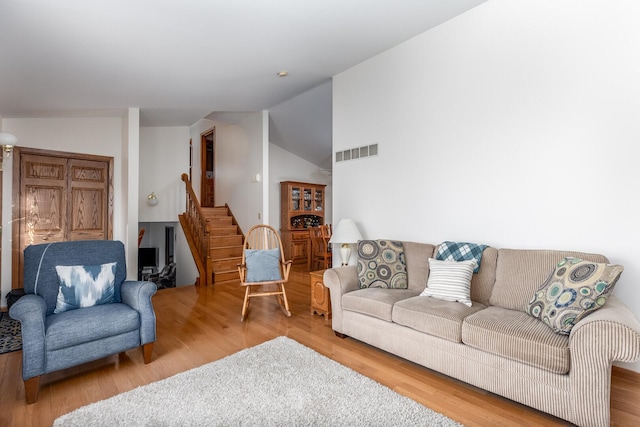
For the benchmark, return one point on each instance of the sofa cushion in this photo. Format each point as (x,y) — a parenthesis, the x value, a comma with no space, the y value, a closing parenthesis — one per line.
(450,280)
(83,286)
(381,264)
(520,272)
(517,336)
(89,324)
(461,251)
(433,316)
(574,289)
(376,302)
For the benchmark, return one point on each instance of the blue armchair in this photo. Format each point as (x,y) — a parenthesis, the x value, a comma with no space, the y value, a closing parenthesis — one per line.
(55,335)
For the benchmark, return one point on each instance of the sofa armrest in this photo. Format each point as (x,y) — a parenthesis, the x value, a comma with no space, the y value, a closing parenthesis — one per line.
(138,295)
(339,281)
(609,334)
(31,311)
(614,328)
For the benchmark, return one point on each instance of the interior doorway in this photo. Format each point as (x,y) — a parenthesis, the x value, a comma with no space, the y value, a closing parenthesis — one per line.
(169,244)
(208,140)
(159,247)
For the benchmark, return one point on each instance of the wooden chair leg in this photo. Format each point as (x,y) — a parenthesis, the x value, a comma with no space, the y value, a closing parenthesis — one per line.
(31,388)
(147,349)
(245,304)
(287,312)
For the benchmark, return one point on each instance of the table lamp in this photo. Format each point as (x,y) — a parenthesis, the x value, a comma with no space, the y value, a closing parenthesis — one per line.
(346,233)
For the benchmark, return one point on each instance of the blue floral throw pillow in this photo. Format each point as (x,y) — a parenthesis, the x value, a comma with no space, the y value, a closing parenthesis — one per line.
(262,265)
(85,286)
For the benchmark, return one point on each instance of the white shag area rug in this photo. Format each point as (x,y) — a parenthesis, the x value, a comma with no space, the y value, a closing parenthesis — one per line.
(277,383)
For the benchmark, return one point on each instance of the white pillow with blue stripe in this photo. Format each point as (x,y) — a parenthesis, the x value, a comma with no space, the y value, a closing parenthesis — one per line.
(450,280)
(84,286)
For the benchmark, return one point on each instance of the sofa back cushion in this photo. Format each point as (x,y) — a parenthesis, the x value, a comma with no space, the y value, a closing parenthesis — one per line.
(482,281)
(521,272)
(417,257)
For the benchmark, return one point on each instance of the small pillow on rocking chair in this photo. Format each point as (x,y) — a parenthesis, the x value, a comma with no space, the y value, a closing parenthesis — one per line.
(262,265)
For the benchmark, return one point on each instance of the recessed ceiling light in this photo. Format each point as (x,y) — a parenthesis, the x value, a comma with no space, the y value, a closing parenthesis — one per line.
(283,74)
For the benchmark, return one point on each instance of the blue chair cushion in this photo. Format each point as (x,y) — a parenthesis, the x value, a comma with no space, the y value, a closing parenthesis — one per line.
(77,327)
(262,265)
(84,286)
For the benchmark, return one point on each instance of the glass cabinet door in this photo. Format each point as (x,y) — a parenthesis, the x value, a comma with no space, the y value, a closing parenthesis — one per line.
(295,198)
(307,199)
(317,200)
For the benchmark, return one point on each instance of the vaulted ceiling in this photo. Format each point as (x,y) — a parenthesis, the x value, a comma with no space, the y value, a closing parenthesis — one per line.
(180,61)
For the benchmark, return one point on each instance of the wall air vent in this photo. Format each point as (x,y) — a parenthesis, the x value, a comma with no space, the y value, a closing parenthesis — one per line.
(357,153)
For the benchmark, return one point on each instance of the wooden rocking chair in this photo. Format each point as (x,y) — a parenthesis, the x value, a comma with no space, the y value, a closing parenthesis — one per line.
(263,270)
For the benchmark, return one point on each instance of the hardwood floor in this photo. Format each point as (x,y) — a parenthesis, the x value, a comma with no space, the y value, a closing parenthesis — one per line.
(197,325)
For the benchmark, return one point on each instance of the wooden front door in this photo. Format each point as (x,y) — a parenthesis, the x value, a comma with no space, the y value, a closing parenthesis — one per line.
(59,197)
(207,150)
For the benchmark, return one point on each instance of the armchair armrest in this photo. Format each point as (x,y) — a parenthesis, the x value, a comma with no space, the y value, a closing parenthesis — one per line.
(31,311)
(340,281)
(138,295)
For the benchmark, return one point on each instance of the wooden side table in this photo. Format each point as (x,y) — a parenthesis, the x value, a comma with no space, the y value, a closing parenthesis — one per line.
(320,300)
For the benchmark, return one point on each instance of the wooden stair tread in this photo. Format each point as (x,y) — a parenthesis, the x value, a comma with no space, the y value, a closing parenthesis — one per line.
(223,230)
(225,245)
(229,258)
(218,252)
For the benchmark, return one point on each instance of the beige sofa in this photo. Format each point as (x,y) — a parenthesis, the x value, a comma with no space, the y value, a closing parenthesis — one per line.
(494,344)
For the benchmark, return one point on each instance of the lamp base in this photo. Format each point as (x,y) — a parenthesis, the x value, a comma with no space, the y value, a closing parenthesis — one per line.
(345,254)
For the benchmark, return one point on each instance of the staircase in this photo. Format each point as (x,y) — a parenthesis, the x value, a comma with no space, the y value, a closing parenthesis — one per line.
(225,244)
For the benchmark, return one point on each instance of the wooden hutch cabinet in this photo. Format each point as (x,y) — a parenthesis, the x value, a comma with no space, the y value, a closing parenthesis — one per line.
(301,206)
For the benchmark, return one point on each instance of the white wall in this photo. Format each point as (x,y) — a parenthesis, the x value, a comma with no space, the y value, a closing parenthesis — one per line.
(130,174)
(164,158)
(239,155)
(285,166)
(514,124)
(247,191)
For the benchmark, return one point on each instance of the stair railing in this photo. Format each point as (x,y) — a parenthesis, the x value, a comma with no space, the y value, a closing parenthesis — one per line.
(197,233)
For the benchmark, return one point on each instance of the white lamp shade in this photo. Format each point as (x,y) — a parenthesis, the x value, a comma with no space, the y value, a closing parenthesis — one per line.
(152,199)
(7,138)
(346,232)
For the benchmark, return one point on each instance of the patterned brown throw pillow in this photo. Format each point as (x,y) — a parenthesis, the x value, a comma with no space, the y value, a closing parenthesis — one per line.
(381,264)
